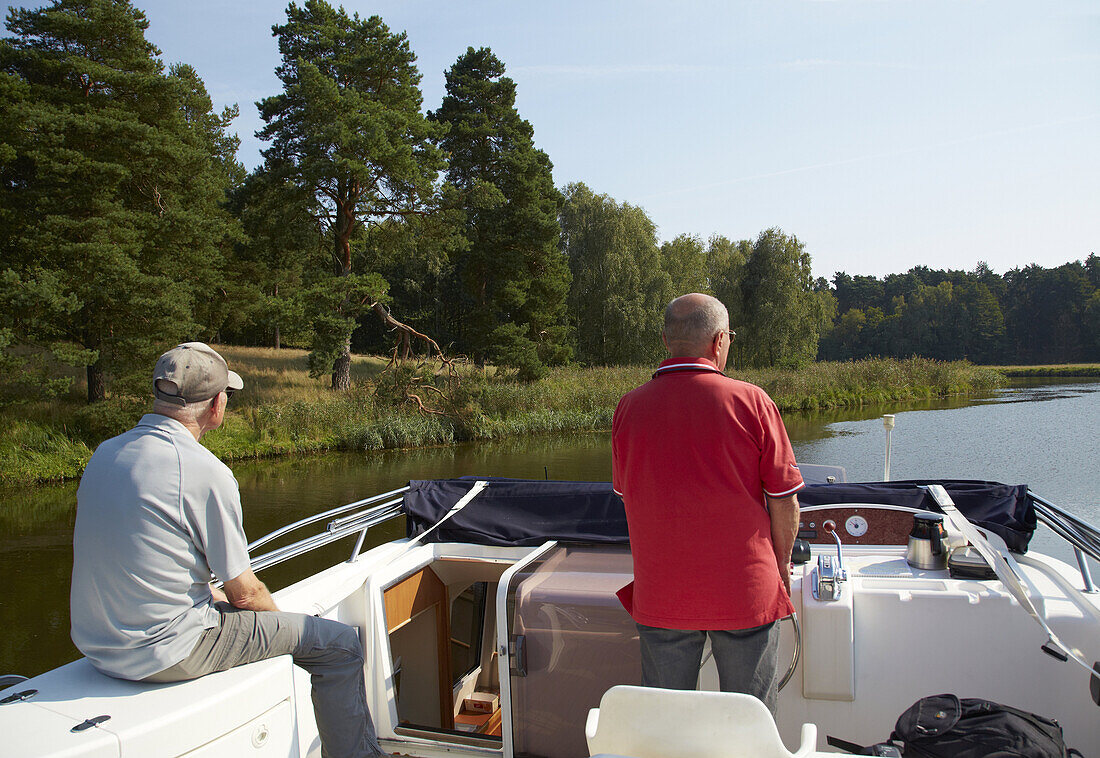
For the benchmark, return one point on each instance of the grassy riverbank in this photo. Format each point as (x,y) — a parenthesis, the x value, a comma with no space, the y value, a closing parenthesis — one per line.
(283,410)
(1064,369)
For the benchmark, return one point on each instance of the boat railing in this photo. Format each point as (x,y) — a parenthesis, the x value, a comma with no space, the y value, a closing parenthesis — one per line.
(361,516)
(1084,537)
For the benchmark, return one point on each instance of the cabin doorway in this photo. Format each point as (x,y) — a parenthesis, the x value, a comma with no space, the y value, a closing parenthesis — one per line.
(440,621)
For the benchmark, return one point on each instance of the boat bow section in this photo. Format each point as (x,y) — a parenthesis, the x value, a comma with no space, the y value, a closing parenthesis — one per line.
(79,713)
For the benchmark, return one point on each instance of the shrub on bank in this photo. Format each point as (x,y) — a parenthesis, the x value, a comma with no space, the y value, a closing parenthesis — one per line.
(283,411)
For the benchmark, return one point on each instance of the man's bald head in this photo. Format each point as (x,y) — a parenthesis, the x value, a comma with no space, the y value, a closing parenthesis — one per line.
(691,321)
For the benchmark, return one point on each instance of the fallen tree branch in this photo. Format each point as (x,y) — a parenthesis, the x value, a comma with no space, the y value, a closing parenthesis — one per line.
(409,385)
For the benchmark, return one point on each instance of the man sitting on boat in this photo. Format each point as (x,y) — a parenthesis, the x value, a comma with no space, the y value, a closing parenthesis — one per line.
(156,513)
(708,477)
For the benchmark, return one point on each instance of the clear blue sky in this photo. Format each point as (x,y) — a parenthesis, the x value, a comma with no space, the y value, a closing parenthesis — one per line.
(884,134)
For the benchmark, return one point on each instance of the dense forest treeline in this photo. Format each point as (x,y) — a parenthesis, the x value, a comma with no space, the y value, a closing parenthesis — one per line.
(375,224)
(1031,315)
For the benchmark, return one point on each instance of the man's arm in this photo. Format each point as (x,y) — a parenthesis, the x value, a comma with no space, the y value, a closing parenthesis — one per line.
(784,517)
(249,593)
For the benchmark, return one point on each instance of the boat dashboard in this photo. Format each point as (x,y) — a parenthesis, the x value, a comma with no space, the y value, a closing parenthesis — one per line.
(862,524)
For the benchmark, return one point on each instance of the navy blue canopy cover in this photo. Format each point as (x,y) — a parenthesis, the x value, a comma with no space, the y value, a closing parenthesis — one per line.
(526,512)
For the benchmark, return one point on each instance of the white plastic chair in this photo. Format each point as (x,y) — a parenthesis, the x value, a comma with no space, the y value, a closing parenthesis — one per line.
(646,722)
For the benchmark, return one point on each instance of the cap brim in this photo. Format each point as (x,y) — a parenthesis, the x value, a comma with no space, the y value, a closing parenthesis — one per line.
(235,381)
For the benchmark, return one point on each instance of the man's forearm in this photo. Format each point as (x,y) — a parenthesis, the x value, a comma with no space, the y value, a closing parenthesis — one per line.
(249,593)
(259,600)
(784,518)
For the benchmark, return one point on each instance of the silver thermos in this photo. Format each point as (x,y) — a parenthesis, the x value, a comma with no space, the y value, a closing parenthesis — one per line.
(927,547)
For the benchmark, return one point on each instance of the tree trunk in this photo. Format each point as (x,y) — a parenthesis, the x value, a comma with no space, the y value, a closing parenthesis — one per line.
(97,383)
(278,341)
(341,368)
(345,224)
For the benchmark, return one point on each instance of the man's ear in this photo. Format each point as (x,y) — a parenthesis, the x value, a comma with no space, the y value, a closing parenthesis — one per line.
(217,408)
(716,345)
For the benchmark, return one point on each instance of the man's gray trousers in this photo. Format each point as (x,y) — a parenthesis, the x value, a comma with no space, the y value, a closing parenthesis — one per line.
(747,659)
(328,650)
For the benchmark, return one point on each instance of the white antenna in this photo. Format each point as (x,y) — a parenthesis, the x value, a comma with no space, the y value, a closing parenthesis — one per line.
(888,422)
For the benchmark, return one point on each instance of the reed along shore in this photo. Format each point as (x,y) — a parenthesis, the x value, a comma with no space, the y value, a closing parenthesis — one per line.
(284,411)
(1064,369)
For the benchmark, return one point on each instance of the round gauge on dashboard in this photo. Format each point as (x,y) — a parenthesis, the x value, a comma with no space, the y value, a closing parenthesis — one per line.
(856,526)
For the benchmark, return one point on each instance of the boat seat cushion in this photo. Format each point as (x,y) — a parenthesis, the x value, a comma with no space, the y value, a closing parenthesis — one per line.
(647,722)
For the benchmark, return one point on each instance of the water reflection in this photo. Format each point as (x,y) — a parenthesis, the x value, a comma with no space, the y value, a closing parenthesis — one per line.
(1030,394)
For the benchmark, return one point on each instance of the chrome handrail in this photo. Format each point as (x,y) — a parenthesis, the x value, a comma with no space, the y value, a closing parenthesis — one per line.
(346,521)
(1078,552)
(1086,574)
(1069,527)
(1084,537)
(1082,534)
(1070,535)
(367,518)
(322,516)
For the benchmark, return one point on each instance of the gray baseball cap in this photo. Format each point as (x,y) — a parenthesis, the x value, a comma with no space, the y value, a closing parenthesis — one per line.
(192,372)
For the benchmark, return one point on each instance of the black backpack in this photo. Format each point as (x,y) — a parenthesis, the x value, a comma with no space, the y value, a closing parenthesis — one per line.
(943,726)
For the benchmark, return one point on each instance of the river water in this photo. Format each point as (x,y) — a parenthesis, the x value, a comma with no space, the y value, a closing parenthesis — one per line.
(1043,435)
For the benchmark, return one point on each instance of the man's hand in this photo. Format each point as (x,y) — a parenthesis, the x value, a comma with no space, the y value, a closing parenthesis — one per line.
(218,595)
(249,593)
(784,517)
(785,574)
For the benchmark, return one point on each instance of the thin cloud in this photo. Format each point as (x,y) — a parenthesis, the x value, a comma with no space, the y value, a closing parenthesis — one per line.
(802,64)
(624,70)
(594,72)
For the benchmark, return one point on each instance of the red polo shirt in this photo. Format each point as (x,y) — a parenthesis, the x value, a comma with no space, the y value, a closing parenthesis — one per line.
(693,454)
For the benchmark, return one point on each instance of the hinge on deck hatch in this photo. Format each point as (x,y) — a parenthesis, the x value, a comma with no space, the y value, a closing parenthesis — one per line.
(89,723)
(18,697)
(517,655)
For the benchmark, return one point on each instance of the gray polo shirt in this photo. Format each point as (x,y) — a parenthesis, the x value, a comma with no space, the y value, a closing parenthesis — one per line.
(156,513)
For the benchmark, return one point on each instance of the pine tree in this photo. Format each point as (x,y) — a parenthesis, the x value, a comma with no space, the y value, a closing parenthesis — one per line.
(269,267)
(348,130)
(110,193)
(513,277)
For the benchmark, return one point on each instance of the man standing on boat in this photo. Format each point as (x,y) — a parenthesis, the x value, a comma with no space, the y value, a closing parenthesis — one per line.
(156,513)
(708,477)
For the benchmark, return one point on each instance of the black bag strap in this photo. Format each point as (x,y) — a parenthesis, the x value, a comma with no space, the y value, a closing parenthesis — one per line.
(847,747)
(879,748)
